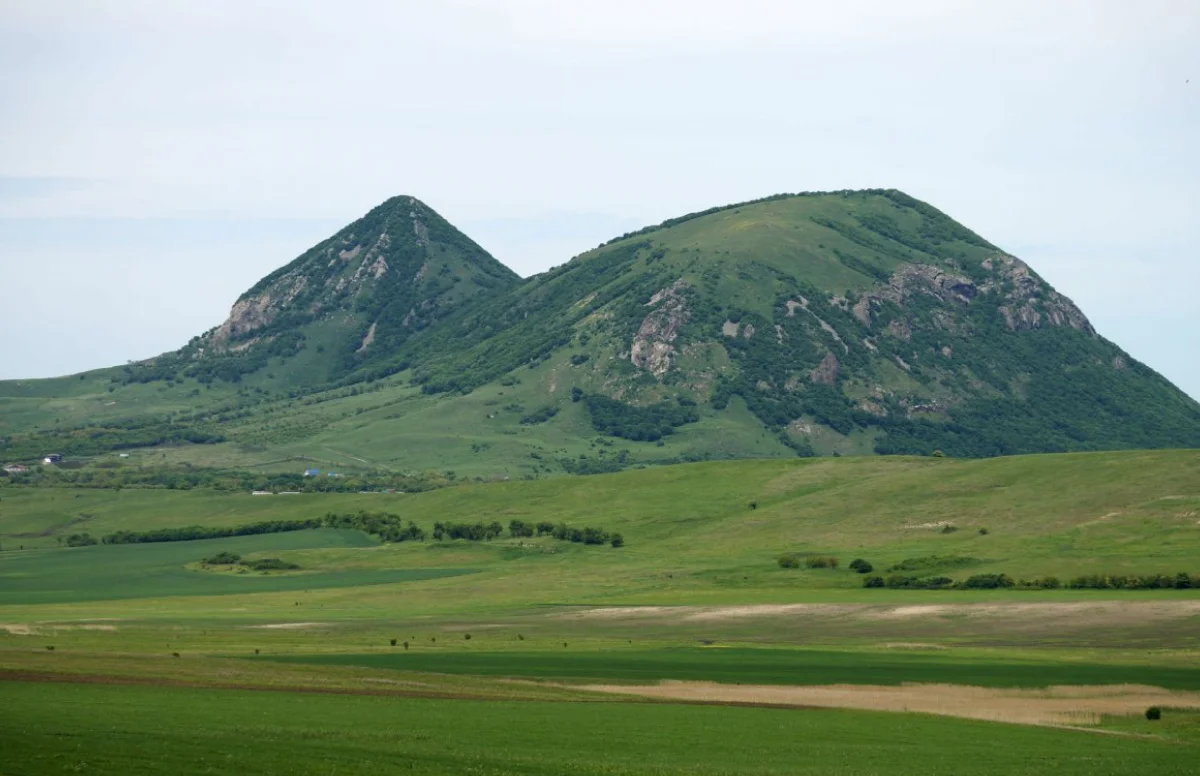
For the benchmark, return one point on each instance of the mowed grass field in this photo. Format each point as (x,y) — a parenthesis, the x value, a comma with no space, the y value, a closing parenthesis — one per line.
(451,657)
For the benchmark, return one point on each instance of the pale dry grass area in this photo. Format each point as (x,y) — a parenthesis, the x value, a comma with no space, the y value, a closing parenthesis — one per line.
(1059,613)
(1063,705)
(38,628)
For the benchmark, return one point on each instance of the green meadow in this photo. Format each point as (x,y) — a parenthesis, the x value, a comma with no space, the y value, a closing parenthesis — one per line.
(471,656)
(742,665)
(107,729)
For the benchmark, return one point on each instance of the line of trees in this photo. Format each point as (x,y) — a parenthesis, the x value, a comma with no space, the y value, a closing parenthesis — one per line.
(191,533)
(517,529)
(1180,581)
(111,473)
(387,526)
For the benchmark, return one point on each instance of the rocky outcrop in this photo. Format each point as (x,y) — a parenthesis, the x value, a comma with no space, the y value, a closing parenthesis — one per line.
(652,347)
(252,313)
(909,280)
(826,372)
(1023,299)
(1028,303)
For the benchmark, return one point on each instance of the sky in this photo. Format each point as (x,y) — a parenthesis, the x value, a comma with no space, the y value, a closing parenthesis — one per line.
(156,159)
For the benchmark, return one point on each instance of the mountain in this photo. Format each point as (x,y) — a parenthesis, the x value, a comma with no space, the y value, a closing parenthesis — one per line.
(362,293)
(830,323)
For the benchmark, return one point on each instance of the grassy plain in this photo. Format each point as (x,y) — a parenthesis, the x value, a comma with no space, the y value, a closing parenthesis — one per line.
(106,729)
(157,660)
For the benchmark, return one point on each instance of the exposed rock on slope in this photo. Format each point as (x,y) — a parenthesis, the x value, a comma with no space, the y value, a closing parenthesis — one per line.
(652,348)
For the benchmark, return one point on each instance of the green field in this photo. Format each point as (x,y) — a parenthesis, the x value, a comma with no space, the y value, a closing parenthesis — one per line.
(133,571)
(95,729)
(771,666)
(460,656)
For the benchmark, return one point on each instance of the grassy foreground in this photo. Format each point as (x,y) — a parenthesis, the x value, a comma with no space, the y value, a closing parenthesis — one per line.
(130,730)
(380,657)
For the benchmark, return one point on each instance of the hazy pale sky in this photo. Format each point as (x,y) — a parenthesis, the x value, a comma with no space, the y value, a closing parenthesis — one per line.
(157,158)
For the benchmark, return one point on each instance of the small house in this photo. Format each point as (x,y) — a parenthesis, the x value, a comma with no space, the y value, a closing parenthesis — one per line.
(312,472)
(53,458)
(16,468)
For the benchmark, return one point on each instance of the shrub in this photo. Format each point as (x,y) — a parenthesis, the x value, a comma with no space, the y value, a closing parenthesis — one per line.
(988,581)
(919,583)
(983,532)
(618,540)
(873,581)
(788,561)
(932,562)
(269,564)
(222,559)
(80,540)
(861,566)
(821,562)
(1154,712)
(948,528)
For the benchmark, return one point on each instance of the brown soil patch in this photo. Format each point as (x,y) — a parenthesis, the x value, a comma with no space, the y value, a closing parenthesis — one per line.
(291,625)
(1064,705)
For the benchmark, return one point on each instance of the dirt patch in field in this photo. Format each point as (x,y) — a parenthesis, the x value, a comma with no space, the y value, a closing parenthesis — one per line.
(88,627)
(18,629)
(291,625)
(1064,705)
(1018,614)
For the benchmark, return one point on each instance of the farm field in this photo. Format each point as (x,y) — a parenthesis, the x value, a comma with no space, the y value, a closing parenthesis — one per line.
(526,655)
(123,729)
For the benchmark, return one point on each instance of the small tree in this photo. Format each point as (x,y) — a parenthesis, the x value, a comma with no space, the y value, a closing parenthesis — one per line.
(618,540)
(861,566)
(1154,712)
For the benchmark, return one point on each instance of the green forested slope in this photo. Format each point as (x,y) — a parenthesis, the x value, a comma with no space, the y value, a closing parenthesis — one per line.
(845,322)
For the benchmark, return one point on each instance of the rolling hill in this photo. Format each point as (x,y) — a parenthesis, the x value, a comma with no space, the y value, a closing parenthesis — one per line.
(832,323)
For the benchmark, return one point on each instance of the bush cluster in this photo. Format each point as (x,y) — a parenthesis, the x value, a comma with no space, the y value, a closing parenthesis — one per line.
(80,540)
(1180,581)
(640,424)
(262,564)
(112,473)
(794,560)
(387,526)
(520,529)
(475,532)
(861,566)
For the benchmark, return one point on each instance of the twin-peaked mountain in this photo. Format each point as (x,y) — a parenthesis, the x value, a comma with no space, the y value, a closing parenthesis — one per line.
(845,322)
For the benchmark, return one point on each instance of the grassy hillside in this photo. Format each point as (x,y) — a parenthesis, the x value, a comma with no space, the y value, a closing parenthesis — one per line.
(694,534)
(845,322)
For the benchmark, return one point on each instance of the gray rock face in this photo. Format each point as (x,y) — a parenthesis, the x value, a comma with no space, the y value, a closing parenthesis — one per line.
(826,372)
(1028,303)
(652,347)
